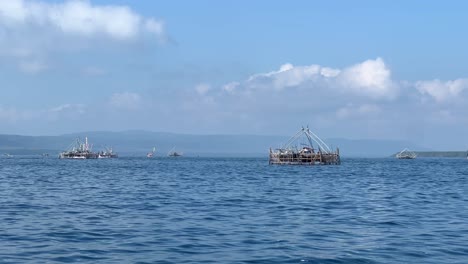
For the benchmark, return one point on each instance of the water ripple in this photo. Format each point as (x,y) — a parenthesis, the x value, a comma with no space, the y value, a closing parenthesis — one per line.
(202,210)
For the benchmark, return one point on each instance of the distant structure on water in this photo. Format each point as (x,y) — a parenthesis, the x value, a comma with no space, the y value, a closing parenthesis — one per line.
(151,154)
(107,154)
(305,154)
(406,154)
(79,150)
(174,153)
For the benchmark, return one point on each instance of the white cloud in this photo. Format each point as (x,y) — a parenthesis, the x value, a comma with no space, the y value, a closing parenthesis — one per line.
(202,88)
(31,31)
(127,101)
(331,97)
(329,72)
(371,78)
(288,76)
(69,108)
(230,87)
(442,91)
(12,10)
(79,18)
(361,100)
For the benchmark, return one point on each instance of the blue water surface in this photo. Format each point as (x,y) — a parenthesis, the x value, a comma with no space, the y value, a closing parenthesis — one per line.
(232,210)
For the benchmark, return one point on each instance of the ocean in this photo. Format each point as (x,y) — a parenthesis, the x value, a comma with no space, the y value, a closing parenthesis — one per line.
(232,210)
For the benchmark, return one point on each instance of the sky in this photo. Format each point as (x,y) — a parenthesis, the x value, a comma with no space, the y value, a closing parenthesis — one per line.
(348,69)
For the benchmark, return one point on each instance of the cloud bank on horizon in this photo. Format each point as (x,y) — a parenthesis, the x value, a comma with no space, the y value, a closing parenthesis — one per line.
(370,79)
(361,100)
(363,97)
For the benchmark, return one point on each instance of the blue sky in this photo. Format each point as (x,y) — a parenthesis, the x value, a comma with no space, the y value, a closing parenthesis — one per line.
(351,69)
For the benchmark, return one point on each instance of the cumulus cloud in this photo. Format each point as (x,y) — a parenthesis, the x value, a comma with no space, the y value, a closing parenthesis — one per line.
(361,100)
(79,18)
(31,31)
(442,91)
(371,78)
(288,76)
(361,93)
(126,101)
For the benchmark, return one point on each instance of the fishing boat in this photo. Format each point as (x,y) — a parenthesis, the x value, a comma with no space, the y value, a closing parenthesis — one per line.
(151,154)
(6,155)
(79,150)
(107,154)
(406,154)
(174,153)
(305,148)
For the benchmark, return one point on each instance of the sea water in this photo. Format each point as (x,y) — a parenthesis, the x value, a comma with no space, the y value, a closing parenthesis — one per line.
(232,210)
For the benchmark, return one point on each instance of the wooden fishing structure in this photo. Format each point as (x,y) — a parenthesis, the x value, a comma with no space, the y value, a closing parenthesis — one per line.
(305,153)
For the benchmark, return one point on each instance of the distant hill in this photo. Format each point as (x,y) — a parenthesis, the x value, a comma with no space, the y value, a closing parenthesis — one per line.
(372,148)
(438,154)
(140,142)
(143,141)
(441,154)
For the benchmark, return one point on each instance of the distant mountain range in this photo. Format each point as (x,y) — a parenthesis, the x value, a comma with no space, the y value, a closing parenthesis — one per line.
(140,142)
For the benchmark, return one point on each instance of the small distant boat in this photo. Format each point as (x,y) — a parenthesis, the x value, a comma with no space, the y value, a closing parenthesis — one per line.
(174,153)
(6,155)
(45,155)
(406,154)
(151,154)
(79,150)
(107,154)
